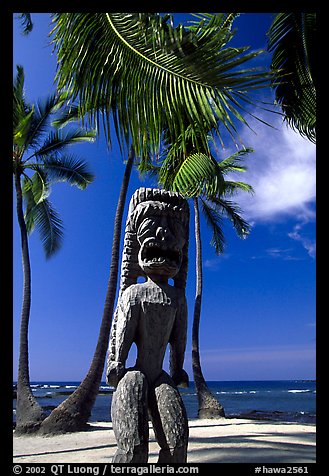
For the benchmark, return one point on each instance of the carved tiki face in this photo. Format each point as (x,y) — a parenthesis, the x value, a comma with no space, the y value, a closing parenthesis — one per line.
(156,237)
(161,237)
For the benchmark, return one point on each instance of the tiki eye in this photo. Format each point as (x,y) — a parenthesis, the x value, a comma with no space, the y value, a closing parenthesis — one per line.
(145,226)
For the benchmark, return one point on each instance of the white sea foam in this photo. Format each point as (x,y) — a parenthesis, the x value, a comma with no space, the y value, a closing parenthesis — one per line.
(232,393)
(298,391)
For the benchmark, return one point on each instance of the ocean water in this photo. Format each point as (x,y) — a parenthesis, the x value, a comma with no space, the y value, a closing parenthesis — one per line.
(280,400)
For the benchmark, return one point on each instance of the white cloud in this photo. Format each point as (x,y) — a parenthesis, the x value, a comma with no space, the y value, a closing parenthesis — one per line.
(214,263)
(306,242)
(281,253)
(281,171)
(211,263)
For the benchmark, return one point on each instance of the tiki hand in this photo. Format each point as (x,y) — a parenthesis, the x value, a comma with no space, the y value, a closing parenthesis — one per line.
(115,372)
(180,378)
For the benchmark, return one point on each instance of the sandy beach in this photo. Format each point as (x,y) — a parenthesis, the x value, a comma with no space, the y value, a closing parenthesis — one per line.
(210,441)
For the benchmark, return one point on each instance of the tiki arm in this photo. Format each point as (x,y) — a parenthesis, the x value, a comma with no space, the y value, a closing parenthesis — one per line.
(122,336)
(177,346)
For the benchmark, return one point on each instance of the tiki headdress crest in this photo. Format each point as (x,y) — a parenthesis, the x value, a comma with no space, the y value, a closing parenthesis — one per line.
(149,203)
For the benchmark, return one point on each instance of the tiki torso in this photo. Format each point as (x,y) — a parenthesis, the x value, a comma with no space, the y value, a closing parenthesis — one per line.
(154,309)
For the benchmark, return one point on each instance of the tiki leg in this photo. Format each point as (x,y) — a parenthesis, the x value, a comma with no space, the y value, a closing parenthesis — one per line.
(130,419)
(169,420)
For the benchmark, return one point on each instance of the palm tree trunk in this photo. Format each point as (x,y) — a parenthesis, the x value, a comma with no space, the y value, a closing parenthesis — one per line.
(74,412)
(29,414)
(209,407)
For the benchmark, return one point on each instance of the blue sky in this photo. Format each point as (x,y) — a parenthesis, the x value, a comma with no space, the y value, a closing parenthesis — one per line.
(258,309)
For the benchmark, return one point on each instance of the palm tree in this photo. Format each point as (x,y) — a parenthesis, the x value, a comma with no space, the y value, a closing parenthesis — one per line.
(41,152)
(292,39)
(200,177)
(209,406)
(139,70)
(213,209)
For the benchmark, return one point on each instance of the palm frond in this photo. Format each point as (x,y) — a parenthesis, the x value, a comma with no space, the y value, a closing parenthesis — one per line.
(188,83)
(30,203)
(177,148)
(39,213)
(26,22)
(20,107)
(198,174)
(49,225)
(232,187)
(58,140)
(67,168)
(292,40)
(38,185)
(233,213)
(43,110)
(233,163)
(22,127)
(148,168)
(70,114)
(214,221)
(22,111)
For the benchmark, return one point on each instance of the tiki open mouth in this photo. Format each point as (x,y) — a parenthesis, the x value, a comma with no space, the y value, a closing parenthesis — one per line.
(154,254)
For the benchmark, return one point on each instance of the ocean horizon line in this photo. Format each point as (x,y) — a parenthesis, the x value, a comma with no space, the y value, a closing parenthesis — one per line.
(191,381)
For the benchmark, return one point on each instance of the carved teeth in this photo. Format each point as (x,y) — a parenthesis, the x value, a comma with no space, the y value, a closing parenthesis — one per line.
(158,254)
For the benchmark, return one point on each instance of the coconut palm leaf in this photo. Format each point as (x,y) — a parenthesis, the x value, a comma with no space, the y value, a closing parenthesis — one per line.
(214,221)
(40,213)
(49,225)
(22,126)
(233,212)
(213,210)
(26,22)
(187,82)
(20,107)
(292,40)
(43,109)
(234,161)
(30,122)
(198,174)
(38,184)
(68,169)
(72,114)
(57,140)
(232,187)
(30,202)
